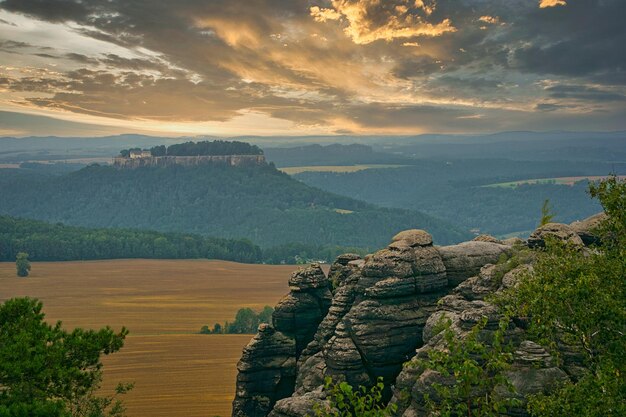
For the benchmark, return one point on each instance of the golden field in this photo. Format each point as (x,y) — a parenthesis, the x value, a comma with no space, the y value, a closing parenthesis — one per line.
(336,168)
(163,303)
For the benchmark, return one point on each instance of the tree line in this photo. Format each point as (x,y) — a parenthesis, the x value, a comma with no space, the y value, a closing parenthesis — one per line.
(246,322)
(205,148)
(57,242)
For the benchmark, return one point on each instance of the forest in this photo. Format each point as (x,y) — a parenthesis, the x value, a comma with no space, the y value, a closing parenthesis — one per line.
(459,191)
(56,242)
(258,203)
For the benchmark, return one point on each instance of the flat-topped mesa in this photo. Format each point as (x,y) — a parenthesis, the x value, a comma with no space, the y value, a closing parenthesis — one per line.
(168,161)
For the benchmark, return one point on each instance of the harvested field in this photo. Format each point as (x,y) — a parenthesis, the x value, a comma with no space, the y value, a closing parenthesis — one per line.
(558,181)
(335,168)
(163,303)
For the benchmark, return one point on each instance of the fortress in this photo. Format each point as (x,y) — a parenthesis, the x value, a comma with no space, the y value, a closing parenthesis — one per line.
(146,160)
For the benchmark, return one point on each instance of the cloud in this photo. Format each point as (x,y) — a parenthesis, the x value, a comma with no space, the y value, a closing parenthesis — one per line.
(551,3)
(584,92)
(372,20)
(363,66)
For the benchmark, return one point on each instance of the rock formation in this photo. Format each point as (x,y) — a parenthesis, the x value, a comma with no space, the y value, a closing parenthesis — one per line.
(267,368)
(382,313)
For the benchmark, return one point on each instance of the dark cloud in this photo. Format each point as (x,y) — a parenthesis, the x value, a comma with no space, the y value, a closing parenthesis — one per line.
(582,92)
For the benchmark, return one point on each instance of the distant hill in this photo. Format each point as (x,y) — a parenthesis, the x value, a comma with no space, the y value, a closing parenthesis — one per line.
(458,190)
(334,154)
(259,203)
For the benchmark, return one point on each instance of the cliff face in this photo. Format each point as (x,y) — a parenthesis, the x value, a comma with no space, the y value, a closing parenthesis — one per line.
(166,161)
(382,313)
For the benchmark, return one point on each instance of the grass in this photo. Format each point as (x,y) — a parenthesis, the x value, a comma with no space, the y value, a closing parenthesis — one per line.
(163,303)
(336,168)
(559,181)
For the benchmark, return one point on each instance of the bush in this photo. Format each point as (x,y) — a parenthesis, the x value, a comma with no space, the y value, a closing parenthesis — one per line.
(345,401)
(22,264)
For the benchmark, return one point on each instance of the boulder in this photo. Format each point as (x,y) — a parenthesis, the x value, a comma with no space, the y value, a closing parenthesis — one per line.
(464,260)
(486,238)
(558,231)
(414,238)
(587,229)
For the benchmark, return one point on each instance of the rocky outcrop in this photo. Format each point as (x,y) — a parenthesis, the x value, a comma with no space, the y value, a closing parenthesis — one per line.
(384,311)
(465,260)
(266,372)
(267,368)
(533,369)
(558,231)
(587,229)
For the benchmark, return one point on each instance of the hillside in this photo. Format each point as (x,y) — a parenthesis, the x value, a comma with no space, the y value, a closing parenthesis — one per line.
(257,202)
(457,190)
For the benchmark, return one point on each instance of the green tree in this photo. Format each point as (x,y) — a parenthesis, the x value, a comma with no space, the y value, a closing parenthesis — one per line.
(265,316)
(546,213)
(48,371)
(473,370)
(246,321)
(345,401)
(579,301)
(22,264)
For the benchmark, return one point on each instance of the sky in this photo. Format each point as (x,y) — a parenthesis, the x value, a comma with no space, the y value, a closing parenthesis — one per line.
(296,67)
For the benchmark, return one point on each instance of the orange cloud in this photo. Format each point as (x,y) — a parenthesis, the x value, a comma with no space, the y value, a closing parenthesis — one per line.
(372,20)
(489,19)
(552,3)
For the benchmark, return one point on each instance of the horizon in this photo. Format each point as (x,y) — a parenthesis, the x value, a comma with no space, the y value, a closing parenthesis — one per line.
(311,68)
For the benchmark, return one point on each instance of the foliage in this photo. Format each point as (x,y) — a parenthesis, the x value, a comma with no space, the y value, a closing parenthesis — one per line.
(48,371)
(56,242)
(345,401)
(546,213)
(580,302)
(22,264)
(454,190)
(216,147)
(246,322)
(474,373)
(257,203)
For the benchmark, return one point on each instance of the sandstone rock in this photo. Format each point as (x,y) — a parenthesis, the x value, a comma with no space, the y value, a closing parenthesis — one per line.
(267,373)
(299,406)
(513,241)
(486,238)
(562,232)
(308,278)
(300,312)
(414,237)
(386,310)
(587,229)
(465,260)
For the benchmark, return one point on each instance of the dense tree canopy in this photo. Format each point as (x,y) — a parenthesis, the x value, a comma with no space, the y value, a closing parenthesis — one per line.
(258,203)
(48,371)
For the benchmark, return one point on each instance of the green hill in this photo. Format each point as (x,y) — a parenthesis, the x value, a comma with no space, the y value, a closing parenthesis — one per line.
(258,203)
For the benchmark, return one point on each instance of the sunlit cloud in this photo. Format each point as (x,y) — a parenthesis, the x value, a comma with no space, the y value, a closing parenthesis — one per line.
(314,67)
(552,3)
(372,20)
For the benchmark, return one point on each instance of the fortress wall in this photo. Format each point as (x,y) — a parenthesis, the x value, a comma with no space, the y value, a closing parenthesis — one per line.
(165,161)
